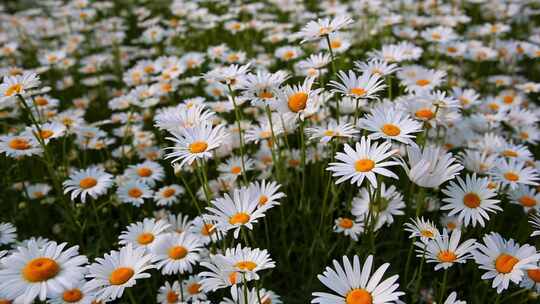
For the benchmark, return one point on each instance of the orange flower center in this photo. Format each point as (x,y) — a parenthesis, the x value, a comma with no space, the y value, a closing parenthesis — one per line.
(423,82)
(239,218)
(207,229)
(391,130)
(46,134)
(335,44)
(505,263)
(289,55)
(358,296)
(2,301)
(41,101)
(447,256)
(346,223)
(232,278)
(510,153)
(471,200)
(168,192)
(236,170)
(245,265)
(427,233)
(511,176)
(424,113)
(40,269)
(177,252)
(534,274)
(265,94)
(72,295)
(194,288)
(14,89)
(297,101)
(358,91)
(88,182)
(263,200)
(364,165)
(508,99)
(198,147)
(121,275)
(135,192)
(527,201)
(144,172)
(145,238)
(19,144)
(172,297)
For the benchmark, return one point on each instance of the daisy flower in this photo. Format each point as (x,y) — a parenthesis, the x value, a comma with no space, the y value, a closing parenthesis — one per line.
(366,160)
(193,289)
(430,167)
(532,279)
(232,168)
(47,131)
(505,260)
(376,67)
(133,192)
(266,193)
(16,146)
(148,173)
(170,294)
(248,261)
(118,270)
(417,78)
(390,124)
(315,30)
(314,65)
(195,143)
(364,86)
(446,250)
(168,195)
(328,131)
(390,204)
(144,234)
(300,100)
(354,283)
(79,294)
(39,272)
(176,253)
(236,211)
(38,191)
(471,199)
(261,88)
(17,85)
(424,229)
(525,196)
(513,173)
(92,181)
(218,274)
(206,229)
(8,233)
(182,116)
(349,227)
(452,299)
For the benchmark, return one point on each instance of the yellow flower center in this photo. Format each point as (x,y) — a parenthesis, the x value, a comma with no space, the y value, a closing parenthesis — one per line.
(88,182)
(239,218)
(40,269)
(245,265)
(447,256)
(427,233)
(198,147)
(527,201)
(145,238)
(358,296)
(511,176)
(194,288)
(297,101)
(178,252)
(346,223)
(391,130)
(289,55)
(144,172)
(424,113)
(72,295)
(265,94)
(471,200)
(364,165)
(121,275)
(505,263)
(358,91)
(168,192)
(172,297)
(436,36)
(14,89)
(19,144)
(135,192)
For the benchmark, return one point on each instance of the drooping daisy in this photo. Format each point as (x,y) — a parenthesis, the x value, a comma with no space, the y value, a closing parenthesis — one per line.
(133,192)
(366,160)
(424,229)
(143,234)
(349,227)
(218,274)
(38,272)
(513,173)
(391,203)
(504,260)
(354,283)
(236,211)
(195,143)
(266,193)
(148,172)
(118,270)
(390,123)
(170,293)
(206,229)
(527,197)
(17,85)
(431,166)
(92,181)
(176,253)
(168,195)
(445,250)
(471,199)
(38,191)
(8,233)
(300,100)
(364,86)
